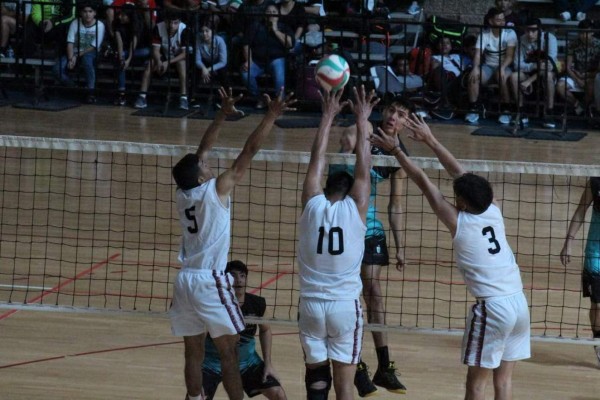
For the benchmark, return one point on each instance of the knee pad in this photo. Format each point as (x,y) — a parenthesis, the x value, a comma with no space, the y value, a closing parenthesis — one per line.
(318,382)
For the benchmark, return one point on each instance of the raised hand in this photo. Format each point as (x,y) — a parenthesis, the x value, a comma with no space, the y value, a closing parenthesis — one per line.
(228,102)
(386,142)
(330,102)
(418,128)
(280,104)
(363,102)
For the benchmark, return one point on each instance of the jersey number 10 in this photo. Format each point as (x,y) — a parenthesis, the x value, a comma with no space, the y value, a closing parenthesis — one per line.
(334,233)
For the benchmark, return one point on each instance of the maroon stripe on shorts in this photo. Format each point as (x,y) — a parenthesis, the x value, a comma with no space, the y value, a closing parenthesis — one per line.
(357,335)
(481,334)
(228,300)
(471,333)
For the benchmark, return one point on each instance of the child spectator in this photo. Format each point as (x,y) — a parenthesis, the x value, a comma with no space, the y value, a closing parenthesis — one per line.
(48,24)
(83,40)
(496,50)
(292,14)
(12,14)
(583,56)
(265,49)
(169,47)
(536,58)
(147,10)
(211,54)
(132,44)
(446,67)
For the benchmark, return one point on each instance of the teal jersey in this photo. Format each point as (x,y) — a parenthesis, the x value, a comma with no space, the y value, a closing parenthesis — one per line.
(592,247)
(378,174)
(253,306)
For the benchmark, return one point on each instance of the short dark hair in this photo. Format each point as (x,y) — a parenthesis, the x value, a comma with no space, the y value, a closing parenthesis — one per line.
(402,102)
(475,190)
(492,12)
(533,21)
(236,265)
(585,24)
(339,182)
(86,4)
(187,171)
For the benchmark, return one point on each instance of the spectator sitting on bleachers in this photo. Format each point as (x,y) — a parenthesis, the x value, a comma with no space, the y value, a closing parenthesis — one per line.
(10,12)
(577,9)
(293,15)
(146,8)
(83,40)
(496,49)
(583,56)
(536,59)
(48,25)
(446,67)
(265,49)
(211,54)
(182,7)
(132,44)
(169,46)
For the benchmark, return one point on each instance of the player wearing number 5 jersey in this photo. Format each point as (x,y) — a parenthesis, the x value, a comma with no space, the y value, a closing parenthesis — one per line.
(203,297)
(330,250)
(497,330)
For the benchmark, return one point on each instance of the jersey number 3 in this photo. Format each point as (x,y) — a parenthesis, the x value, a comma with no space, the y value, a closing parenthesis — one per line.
(334,233)
(488,230)
(189,213)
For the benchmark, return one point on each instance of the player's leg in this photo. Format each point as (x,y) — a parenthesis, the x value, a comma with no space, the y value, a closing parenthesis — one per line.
(342,380)
(232,381)
(194,355)
(477,378)
(252,380)
(370,275)
(313,338)
(503,380)
(210,383)
(318,380)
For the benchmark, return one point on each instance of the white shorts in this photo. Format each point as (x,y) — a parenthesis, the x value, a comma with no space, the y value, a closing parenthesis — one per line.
(572,86)
(330,329)
(204,301)
(497,330)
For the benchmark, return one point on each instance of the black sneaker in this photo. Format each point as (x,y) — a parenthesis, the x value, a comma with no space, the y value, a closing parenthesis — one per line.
(387,379)
(362,381)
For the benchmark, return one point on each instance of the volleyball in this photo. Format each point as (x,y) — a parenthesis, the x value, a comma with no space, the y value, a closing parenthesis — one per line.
(332,72)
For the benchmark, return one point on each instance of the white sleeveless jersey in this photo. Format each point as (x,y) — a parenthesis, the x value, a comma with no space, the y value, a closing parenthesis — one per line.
(330,249)
(206,227)
(483,255)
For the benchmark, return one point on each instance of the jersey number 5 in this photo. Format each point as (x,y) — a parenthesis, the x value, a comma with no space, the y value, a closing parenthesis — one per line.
(334,233)
(492,239)
(189,213)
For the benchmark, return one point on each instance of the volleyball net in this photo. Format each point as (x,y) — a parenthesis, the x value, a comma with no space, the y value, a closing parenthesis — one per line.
(92,226)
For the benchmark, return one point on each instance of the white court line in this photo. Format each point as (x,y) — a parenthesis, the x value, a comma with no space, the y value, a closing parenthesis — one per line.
(26,287)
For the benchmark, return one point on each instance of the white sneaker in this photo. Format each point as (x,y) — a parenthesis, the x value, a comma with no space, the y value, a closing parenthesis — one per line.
(504,119)
(472,118)
(414,8)
(580,16)
(597,350)
(565,16)
(579,110)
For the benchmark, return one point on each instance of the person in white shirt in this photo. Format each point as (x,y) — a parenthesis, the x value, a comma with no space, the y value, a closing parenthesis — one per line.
(497,331)
(496,49)
(203,297)
(332,230)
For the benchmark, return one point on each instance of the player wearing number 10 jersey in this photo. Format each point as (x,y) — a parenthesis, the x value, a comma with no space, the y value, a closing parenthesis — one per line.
(203,297)
(497,330)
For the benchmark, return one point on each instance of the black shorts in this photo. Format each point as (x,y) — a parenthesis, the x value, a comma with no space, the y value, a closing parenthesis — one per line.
(251,381)
(376,251)
(590,285)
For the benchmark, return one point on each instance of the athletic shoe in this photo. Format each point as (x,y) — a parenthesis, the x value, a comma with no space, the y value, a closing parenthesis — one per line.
(444,113)
(260,104)
(579,109)
(183,103)
(120,100)
(90,99)
(565,16)
(504,118)
(549,123)
(472,117)
(140,102)
(387,379)
(414,8)
(580,16)
(523,122)
(597,350)
(362,381)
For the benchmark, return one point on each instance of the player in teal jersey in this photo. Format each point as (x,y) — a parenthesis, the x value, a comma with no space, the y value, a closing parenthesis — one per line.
(590,276)
(258,376)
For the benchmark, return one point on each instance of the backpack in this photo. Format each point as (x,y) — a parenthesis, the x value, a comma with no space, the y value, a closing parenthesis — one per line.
(443,27)
(420,60)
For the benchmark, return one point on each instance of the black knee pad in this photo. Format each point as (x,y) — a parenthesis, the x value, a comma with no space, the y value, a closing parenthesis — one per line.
(318,375)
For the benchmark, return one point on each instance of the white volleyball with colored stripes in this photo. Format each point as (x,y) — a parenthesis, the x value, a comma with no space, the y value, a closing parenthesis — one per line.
(332,72)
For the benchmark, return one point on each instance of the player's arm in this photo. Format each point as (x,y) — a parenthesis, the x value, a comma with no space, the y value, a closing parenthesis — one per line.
(212,132)
(362,108)
(395,214)
(266,344)
(419,131)
(578,217)
(445,211)
(330,105)
(228,179)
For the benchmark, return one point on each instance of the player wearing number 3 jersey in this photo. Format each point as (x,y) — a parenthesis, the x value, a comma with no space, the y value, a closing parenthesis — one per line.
(497,328)
(330,251)
(203,298)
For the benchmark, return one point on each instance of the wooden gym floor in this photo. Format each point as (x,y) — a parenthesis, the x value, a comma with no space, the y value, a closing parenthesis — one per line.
(53,355)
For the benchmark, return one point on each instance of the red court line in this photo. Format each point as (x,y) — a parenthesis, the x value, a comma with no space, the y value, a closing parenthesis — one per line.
(68,281)
(268,282)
